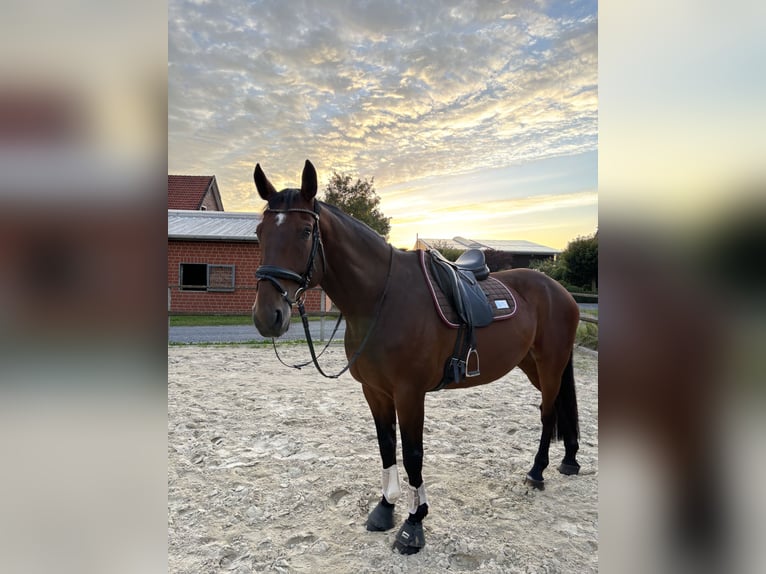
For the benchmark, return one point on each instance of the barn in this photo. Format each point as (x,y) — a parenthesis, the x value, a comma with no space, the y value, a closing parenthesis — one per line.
(212,254)
(194,192)
(521,253)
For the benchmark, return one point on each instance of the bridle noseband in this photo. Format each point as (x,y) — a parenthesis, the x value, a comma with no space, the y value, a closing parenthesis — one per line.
(273,274)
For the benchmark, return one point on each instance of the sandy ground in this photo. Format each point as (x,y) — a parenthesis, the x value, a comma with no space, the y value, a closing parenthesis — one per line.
(274,470)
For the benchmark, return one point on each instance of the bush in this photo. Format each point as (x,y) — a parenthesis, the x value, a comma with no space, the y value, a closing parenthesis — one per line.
(450,253)
(587,335)
(553,269)
(580,262)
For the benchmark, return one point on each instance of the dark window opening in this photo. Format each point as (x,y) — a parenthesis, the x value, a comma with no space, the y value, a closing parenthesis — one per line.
(194,276)
(204,277)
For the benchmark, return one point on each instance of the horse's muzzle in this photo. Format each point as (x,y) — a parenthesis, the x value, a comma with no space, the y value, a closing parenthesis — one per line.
(271,321)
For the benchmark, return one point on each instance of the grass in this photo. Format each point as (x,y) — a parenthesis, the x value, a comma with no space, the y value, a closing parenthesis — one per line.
(219,320)
(209,320)
(587,335)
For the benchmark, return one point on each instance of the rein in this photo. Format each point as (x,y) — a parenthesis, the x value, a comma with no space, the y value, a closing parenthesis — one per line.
(272,274)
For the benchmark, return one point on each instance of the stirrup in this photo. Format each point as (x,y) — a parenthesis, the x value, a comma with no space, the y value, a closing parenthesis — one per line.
(477,372)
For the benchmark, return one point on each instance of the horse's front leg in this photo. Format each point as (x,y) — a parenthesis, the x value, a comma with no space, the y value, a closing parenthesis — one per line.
(384,415)
(410,409)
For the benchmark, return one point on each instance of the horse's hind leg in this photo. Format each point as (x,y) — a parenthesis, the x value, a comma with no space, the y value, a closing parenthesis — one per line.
(558,413)
(568,421)
(383,412)
(547,380)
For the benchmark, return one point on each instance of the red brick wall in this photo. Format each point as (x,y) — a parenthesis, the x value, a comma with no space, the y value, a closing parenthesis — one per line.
(246,258)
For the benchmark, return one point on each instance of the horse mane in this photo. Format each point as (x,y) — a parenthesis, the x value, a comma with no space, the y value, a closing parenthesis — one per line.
(350,221)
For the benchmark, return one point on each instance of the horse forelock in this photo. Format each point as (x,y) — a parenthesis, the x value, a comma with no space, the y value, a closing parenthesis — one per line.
(285,199)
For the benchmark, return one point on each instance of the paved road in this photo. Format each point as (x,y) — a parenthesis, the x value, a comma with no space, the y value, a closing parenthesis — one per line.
(247,333)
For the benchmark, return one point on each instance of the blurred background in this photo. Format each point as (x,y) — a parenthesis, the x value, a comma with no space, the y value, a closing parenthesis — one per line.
(83,110)
(83,327)
(682,214)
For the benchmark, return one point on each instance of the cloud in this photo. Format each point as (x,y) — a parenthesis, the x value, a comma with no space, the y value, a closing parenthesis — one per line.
(396,91)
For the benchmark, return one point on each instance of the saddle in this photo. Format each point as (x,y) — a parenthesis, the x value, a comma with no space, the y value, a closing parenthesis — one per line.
(460,283)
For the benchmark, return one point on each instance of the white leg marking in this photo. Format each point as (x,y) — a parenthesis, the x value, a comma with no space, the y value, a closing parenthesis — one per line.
(417,497)
(391,488)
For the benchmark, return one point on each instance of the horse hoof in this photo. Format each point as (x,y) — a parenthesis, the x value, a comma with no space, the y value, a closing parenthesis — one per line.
(569,469)
(380,519)
(410,538)
(534,483)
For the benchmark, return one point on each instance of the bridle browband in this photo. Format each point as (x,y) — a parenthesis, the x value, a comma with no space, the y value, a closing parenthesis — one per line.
(273,274)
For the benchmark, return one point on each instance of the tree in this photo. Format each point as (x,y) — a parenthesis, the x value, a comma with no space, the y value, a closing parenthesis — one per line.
(580,262)
(358,200)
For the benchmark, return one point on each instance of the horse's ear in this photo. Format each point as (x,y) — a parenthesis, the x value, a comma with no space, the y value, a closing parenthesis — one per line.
(262,184)
(309,181)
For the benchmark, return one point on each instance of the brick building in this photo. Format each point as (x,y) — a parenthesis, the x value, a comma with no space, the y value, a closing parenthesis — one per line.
(212,258)
(194,192)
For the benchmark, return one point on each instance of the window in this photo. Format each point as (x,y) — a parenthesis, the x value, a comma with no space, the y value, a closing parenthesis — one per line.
(193,276)
(220,277)
(204,277)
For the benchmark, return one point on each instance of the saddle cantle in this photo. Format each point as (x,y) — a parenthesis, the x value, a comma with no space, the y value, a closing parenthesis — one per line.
(473,260)
(463,302)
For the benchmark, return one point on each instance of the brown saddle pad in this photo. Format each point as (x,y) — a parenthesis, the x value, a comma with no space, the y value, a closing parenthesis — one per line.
(500,297)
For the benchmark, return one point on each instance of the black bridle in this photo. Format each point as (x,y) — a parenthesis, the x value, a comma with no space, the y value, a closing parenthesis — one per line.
(273,274)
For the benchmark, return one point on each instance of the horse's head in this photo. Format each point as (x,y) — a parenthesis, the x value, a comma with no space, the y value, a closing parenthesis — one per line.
(290,249)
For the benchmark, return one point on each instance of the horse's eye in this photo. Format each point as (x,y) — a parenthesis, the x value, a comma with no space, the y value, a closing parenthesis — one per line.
(306,232)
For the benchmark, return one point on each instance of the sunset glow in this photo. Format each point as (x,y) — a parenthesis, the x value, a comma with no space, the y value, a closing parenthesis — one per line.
(472,120)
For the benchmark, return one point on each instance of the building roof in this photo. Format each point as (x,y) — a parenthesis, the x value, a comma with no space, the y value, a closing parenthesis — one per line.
(422,242)
(518,246)
(212,225)
(188,191)
(509,245)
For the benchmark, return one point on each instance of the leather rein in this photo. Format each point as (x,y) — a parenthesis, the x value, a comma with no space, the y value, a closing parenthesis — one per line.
(273,274)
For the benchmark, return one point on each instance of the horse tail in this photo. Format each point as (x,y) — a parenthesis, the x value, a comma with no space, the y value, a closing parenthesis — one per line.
(567,417)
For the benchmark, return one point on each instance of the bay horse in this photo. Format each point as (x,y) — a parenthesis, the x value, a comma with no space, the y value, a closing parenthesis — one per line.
(395,341)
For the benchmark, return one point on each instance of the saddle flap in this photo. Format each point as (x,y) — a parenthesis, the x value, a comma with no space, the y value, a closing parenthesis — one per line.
(476,308)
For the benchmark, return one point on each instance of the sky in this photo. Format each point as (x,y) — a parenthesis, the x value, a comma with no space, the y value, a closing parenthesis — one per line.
(476,118)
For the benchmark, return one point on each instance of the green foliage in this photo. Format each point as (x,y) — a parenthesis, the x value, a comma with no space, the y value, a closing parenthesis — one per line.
(576,268)
(587,336)
(450,253)
(358,200)
(580,262)
(553,269)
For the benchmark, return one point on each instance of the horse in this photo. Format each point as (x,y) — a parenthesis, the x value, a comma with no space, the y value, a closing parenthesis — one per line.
(397,345)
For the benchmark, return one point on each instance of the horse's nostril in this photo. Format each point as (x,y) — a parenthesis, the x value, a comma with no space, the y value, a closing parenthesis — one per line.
(278,320)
